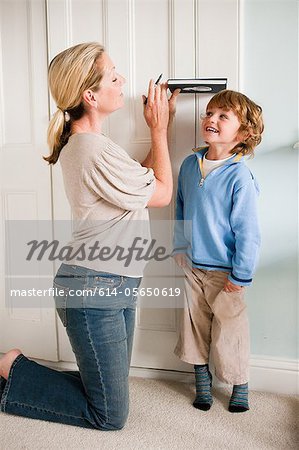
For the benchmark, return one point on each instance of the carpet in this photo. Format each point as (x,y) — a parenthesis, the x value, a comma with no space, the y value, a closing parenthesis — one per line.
(162,418)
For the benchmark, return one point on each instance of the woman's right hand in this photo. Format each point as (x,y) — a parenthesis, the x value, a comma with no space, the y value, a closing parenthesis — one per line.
(156,108)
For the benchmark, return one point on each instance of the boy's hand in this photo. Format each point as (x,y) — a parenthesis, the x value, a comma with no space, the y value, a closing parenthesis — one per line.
(180,259)
(231,287)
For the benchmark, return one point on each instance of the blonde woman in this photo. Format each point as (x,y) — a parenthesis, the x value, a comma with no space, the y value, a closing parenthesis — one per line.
(109,194)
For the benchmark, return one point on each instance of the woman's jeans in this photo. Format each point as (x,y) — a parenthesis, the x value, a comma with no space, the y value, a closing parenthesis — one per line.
(98,311)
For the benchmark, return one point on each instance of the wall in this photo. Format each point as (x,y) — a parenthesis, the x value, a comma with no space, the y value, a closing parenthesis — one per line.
(269,75)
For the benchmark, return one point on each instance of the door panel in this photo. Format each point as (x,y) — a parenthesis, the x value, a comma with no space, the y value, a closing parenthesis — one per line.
(25,322)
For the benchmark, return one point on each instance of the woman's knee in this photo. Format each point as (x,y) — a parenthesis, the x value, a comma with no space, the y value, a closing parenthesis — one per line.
(113,425)
(112,422)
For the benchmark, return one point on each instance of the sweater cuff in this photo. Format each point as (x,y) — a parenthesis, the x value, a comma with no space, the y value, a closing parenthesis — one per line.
(239,281)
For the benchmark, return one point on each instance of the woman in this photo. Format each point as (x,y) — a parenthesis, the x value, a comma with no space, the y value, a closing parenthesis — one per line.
(109,193)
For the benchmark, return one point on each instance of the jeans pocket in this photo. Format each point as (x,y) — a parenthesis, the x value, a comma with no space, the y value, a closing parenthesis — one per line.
(106,281)
(61,295)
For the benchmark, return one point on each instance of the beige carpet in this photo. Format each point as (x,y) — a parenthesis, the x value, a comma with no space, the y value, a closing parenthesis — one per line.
(163,418)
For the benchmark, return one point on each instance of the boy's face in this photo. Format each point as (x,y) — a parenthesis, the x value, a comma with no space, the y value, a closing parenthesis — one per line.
(221,126)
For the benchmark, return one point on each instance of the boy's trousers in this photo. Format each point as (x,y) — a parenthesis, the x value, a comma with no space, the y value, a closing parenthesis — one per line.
(216,321)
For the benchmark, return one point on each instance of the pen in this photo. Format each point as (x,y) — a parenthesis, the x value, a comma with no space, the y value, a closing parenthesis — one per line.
(158,79)
(156,82)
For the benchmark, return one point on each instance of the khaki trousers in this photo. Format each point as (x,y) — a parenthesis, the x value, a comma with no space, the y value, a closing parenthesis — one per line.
(214,321)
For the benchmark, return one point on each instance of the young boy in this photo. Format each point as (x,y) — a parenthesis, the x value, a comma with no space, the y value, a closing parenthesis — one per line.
(216,241)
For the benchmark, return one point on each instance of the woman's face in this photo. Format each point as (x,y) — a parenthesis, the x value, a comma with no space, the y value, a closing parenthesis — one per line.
(110,96)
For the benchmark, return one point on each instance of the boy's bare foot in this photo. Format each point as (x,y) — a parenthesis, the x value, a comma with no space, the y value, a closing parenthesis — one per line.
(7,360)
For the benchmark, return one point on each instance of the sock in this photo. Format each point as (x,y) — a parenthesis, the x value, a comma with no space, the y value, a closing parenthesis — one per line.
(203,383)
(239,399)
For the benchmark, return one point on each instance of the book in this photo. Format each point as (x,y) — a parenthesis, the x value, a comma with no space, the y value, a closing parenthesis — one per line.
(197,85)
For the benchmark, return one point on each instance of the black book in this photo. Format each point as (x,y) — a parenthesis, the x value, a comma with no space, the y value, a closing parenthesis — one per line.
(197,85)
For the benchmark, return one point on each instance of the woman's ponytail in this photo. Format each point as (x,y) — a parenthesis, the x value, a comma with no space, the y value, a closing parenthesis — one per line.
(56,130)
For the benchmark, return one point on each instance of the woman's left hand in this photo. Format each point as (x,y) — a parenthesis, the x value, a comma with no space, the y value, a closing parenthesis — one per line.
(172,102)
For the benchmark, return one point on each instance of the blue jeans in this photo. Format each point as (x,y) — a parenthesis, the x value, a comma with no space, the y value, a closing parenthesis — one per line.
(98,311)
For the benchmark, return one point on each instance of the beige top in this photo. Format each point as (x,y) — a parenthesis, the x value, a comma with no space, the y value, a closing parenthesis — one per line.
(108,192)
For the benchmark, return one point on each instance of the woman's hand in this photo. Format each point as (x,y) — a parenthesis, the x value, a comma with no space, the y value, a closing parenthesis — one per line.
(172,102)
(156,108)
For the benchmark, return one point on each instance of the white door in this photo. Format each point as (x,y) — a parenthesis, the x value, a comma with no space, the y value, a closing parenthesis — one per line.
(181,39)
(25,322)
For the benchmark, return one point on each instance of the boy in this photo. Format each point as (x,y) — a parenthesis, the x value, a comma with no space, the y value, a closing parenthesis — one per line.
(217,245)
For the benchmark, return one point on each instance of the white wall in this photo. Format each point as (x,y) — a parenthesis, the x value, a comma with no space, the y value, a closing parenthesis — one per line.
(269,75)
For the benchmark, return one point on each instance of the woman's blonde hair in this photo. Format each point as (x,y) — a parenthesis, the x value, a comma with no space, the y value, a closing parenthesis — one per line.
(70,73)
(249,115)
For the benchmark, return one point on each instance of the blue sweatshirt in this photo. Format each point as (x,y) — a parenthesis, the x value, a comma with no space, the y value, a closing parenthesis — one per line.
(216,223)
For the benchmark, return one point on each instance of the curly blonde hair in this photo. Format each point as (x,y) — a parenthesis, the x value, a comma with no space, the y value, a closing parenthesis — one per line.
(249,115)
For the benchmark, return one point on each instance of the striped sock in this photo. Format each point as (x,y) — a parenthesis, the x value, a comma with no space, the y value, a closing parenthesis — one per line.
(203,383)
(239,399)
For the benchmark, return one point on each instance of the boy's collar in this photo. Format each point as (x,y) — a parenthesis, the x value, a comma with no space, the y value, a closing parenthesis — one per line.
(202,150)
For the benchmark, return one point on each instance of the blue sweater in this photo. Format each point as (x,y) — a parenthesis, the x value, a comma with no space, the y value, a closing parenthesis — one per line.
(216,224)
